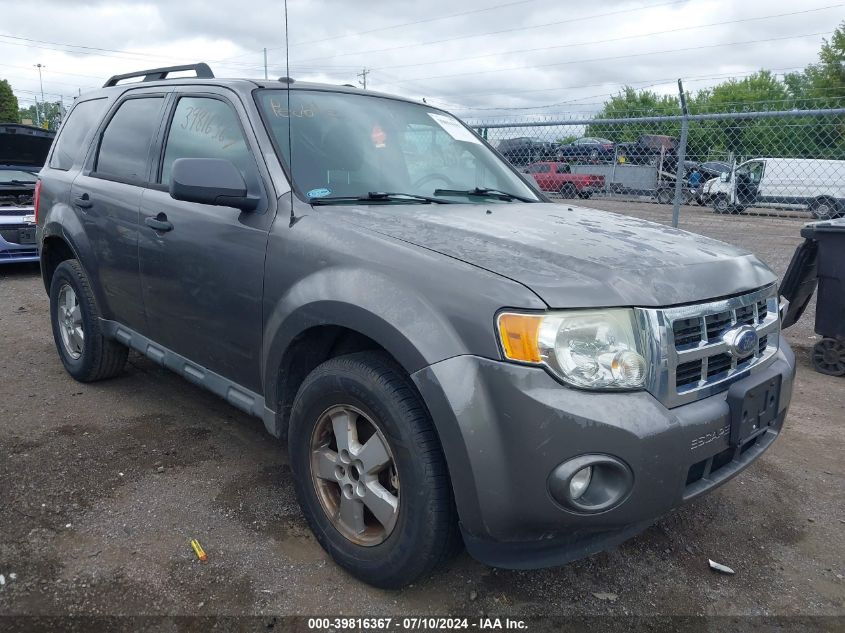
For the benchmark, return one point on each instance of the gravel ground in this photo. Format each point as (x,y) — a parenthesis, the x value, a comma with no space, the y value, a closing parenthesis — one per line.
(102,486)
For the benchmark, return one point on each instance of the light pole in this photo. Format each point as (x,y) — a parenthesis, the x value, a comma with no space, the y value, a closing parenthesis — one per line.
(41,83)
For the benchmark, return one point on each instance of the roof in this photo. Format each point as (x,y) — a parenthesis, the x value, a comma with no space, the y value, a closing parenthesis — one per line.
(240,85)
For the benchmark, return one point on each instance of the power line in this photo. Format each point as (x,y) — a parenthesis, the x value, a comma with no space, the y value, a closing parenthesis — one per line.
(617,39)
(510,30)
(612,57)
(395,26)
(651,83)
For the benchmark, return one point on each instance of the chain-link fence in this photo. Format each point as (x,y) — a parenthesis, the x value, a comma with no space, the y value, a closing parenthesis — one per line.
(751,178)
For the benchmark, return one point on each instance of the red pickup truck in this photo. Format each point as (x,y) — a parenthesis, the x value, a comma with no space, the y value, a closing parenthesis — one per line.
(557,177)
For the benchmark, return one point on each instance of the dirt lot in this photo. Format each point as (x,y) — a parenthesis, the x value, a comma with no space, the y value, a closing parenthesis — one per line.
(102,487)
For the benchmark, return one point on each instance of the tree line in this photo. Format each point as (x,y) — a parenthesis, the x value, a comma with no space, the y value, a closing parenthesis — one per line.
(819,86)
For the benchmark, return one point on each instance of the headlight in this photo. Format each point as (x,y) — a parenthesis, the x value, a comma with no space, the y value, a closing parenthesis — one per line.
(594,349)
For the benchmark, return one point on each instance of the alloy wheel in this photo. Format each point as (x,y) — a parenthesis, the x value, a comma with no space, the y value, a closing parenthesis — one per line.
(69,318)
(355,475)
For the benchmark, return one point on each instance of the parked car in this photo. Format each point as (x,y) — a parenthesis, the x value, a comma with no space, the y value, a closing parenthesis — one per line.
(524,150)
(818,184)
(649,149)
(23,149)
(449,357)
(587,149)
(558,178)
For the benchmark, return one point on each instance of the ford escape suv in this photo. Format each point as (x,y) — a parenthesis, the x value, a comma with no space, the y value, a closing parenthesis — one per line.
(451,358)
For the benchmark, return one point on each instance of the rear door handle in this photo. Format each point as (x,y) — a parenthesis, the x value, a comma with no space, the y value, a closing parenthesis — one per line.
(83,201)
(159,223)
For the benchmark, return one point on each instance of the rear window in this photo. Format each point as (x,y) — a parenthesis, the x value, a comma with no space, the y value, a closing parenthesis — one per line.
(74,132)
(126,141)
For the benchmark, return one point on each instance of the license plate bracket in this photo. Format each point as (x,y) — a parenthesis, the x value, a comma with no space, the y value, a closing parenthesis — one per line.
(26,235)
(754,409)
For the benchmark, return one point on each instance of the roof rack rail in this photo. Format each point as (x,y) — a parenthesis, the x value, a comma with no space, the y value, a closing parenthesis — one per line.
(203,72)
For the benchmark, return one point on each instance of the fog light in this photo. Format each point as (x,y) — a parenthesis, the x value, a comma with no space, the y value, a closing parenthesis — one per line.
(579,482)
(591,483)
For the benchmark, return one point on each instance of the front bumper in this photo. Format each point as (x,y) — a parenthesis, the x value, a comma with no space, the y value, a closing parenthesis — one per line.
(505,428)
(10,251)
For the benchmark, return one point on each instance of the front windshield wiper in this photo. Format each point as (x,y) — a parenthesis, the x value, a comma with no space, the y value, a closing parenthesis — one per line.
(482,192)
(379,196)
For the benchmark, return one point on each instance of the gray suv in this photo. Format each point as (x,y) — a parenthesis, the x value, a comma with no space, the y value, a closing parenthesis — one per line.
(450,358)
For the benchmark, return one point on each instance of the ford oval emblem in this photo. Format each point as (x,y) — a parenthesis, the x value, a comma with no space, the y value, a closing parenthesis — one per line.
(741,341)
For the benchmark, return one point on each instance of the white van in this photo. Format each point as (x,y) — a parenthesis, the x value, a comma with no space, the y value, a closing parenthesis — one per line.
(817,184)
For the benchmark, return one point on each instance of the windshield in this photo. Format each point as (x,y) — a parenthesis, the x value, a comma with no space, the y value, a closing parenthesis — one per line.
(350,145)
(17,177)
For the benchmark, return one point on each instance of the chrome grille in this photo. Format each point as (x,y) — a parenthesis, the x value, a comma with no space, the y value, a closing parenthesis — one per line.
(692,358)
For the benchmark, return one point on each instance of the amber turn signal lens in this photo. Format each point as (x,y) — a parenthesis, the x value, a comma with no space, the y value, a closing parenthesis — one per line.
(519,335)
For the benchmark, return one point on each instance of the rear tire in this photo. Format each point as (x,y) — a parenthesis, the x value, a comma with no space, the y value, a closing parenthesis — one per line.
(664,196)
(362,392)
(568,191)
(87,354)
(824,209)
(829,357)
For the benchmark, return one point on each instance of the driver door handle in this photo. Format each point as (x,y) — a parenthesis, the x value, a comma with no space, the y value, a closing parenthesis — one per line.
(159,223)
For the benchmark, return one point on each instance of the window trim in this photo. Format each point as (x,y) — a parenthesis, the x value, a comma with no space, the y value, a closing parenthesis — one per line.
(95,155)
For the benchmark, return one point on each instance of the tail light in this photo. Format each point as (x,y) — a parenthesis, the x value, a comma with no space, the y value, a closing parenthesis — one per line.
(36,198)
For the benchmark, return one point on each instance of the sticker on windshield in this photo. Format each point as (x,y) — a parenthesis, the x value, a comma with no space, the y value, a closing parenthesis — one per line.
(319,193)
(453,128)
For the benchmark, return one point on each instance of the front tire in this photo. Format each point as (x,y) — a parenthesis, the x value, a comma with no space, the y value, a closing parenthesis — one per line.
(369,471)
(721,204)
(86,353)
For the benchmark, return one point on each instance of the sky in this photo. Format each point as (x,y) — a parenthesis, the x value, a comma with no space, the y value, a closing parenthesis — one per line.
(481,59)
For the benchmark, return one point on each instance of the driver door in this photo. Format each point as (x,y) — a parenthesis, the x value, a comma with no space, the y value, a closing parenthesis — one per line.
(202,278)
(748,178)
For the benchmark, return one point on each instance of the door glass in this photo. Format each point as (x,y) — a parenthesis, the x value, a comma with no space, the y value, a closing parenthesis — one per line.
(125,146)
(207,128)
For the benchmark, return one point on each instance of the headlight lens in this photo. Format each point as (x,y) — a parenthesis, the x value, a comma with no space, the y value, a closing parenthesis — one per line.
(594,349)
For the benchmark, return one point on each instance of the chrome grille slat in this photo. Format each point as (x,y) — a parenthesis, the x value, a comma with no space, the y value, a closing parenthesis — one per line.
(692,361)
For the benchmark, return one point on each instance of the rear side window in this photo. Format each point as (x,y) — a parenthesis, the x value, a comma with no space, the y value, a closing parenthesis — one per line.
(206,128)
(74,132)
(125,145)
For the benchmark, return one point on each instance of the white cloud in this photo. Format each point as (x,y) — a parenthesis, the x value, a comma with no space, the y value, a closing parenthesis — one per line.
(576,59)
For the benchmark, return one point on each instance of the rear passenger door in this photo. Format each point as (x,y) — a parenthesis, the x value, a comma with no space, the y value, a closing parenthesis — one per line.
(202,279)
(106,197)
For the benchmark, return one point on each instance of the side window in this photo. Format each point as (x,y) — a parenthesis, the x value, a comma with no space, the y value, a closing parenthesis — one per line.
(126,140)
(82,118)
(206,128)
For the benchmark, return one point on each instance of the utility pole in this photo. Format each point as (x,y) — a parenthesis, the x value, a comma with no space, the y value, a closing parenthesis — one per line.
(41,83)
(265,62)
(363,75)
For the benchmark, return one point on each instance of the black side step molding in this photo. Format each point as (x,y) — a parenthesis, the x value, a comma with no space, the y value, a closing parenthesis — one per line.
(236,395)
(202,70)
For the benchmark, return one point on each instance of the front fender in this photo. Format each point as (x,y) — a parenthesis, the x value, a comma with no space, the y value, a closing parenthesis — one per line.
(399,319)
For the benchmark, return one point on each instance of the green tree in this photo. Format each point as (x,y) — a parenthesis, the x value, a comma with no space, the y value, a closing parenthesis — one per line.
(49,113)
(632,104)
(8,103)
(761,91)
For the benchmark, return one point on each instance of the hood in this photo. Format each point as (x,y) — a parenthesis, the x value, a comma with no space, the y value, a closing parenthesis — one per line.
(572,256)
(24,145)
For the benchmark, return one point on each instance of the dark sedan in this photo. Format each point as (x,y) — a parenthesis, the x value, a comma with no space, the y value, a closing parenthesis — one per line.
(589,148)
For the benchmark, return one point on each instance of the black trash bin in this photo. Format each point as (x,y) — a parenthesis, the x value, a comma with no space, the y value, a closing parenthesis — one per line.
(820,260)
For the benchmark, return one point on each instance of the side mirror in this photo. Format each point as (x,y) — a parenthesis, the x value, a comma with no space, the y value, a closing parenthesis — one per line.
(210,181)
(725,177)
